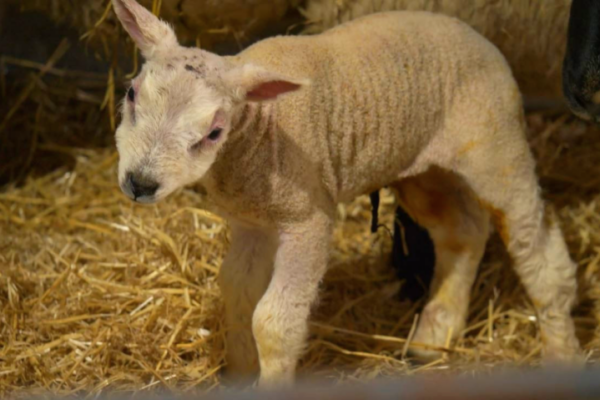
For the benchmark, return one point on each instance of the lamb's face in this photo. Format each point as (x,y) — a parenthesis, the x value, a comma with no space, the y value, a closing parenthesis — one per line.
(177,113)
(174,123)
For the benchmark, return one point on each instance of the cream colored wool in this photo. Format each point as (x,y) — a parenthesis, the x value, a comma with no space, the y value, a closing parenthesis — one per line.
(530,33)
(416,101)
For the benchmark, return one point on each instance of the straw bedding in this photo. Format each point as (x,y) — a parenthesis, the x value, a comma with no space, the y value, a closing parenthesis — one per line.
(99,295)
(209,22)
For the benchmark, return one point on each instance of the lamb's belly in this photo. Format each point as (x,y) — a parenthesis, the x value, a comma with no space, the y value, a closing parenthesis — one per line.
(372,172)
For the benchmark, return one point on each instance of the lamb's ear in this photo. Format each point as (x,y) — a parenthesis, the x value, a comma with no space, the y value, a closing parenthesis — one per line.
(148,32)
(252,83)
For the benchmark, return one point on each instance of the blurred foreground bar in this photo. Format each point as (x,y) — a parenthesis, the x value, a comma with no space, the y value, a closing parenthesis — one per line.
(513,385)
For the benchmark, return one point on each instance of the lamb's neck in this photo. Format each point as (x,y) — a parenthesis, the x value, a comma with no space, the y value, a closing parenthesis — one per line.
(250,144)
(251,123)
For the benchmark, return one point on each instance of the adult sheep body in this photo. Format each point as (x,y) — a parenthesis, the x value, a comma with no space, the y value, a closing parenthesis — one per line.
(581,68)
(282,132)
(531,34)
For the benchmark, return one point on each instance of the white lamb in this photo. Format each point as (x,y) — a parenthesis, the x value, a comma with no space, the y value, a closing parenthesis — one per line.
(282,132)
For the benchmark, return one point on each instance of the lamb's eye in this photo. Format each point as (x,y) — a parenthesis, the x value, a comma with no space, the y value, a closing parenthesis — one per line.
(131,94)
(215,134)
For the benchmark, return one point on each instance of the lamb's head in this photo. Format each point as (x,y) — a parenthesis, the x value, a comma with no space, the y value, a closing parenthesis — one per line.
(178,112)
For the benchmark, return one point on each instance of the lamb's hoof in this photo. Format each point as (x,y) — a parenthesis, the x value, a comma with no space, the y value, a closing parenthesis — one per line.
(423,355)
(564,357)
(276,378)
(432,331)
(234,379)
(274,384)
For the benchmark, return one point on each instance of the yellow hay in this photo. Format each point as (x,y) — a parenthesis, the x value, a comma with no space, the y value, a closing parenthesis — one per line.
(209,21)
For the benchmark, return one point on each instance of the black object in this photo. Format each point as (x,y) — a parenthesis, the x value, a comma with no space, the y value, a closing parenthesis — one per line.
(375,210)
(413,253)
(141,185)
(581,72)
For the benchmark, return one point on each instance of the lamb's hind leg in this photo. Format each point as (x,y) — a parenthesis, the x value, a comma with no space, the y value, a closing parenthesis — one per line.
(441,202)
(504,179)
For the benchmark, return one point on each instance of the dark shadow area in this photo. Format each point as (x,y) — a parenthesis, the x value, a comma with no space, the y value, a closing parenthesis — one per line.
(413,256)
(52,90)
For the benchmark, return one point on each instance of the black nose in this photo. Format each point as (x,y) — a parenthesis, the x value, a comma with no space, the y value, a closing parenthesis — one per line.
(141,186)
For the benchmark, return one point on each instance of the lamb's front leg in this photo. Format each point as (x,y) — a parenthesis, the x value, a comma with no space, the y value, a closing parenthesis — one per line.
(280,322)
(244,277)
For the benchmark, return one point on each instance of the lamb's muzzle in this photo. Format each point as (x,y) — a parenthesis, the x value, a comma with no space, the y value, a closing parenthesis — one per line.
(140,187)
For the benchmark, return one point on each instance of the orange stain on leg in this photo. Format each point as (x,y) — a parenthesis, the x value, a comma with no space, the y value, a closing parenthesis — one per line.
(467,147)
(499,220)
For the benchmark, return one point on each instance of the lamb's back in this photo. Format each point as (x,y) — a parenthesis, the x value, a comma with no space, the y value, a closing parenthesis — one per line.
(382,86)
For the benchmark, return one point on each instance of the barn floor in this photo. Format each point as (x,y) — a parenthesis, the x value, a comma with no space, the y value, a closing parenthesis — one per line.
(98,295)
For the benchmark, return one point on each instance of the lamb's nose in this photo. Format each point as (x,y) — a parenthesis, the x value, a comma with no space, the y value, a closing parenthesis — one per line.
(141,186)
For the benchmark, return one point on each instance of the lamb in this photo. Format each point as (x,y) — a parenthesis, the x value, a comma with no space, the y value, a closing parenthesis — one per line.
(282,132)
